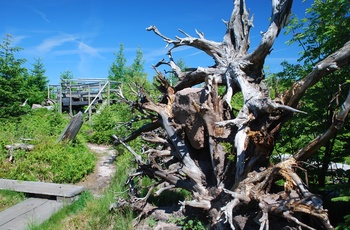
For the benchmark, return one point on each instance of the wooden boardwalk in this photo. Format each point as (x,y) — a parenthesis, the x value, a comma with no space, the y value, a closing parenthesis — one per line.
(44,200)
(30,211)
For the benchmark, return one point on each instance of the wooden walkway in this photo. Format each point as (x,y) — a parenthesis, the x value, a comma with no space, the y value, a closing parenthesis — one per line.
(44,200)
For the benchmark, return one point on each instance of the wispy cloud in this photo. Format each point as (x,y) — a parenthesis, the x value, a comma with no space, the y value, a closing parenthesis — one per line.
(48,44)
(88,55)
(153,55)
(41,14)
(17,39)
(86,49)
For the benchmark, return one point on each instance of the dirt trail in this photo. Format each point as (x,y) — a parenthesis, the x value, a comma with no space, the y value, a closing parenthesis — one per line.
(100,179)
(104,170)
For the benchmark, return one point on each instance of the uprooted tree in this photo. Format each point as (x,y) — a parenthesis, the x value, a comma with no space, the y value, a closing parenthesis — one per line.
(222,159)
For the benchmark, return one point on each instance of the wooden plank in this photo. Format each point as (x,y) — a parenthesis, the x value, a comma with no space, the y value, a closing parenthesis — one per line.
(30,211)
(72,128)
(41,188)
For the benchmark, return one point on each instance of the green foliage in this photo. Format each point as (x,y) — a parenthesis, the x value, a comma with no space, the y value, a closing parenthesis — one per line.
(48,161)
(187,223)
(136,69)
(12,80)
(152,222)
(345,225)
(324,30)
(10,198)
(103,126)
(116,118)
(66,75)
(127,74)
(118,70)
(341,198)
(37,83)
(10,65)
(194,225)
(17,86)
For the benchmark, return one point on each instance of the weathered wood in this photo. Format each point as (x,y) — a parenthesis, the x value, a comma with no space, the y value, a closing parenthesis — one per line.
(19,146)
(16,146)
(30,211)
(72,128)
(42,188)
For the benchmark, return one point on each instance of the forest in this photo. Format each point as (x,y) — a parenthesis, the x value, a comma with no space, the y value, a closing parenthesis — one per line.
(229,146)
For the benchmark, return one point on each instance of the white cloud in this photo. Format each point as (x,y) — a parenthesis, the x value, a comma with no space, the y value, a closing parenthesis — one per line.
(42,15)
(48,44)
(86,49)
(154,55)
(87,56)
(17,39)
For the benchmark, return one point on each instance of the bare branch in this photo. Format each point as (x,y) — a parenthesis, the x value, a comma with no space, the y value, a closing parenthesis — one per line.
(236,38)
(138,158)
(210,47)
(319,141)
(164,188)
(145,128)
(332,63)
(280,14)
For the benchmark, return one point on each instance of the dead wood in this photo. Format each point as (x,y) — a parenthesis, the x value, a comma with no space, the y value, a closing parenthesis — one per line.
(15,146)
(21,146)
(72,128)
(220,158)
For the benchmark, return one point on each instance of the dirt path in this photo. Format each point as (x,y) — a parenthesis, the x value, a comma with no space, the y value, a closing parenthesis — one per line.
(100,179)
(104,170)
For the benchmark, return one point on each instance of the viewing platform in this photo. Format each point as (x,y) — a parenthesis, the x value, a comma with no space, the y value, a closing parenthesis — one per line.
(74,95)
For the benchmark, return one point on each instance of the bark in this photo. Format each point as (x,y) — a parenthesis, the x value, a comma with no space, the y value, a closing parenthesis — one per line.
(197,133)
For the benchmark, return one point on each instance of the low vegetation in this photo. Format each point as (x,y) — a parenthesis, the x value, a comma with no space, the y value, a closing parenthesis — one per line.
(10,198)
(44,162)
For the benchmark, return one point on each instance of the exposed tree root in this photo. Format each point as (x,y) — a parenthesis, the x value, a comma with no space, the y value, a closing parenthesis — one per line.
(222,160)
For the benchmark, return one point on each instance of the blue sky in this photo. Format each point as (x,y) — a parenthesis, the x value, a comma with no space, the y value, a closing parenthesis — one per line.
(83,35)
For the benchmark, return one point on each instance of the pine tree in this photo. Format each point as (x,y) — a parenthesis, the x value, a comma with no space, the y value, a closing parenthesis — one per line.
(118,69)
(13,76)
(37,82)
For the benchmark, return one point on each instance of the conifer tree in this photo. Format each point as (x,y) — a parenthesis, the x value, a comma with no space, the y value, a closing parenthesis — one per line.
(13,76)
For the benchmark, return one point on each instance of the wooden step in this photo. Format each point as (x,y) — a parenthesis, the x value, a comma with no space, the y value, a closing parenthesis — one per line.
(30,211)
(42,189)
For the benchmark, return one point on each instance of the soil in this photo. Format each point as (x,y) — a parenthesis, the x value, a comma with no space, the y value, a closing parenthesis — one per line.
(104,170)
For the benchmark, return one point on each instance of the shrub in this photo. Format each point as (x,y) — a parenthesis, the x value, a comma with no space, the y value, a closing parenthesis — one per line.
(49,161)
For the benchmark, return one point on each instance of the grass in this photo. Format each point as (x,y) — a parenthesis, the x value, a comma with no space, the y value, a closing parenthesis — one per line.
(10,198)
(55,221)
